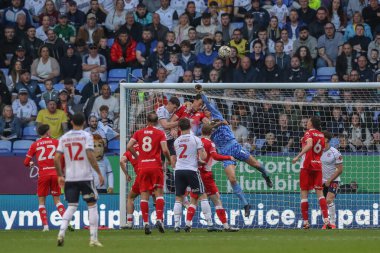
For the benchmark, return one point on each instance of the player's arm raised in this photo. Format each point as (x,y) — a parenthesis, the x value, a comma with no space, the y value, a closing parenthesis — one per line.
(165,151)
(307,147)
(94,164)
(123,166)
(131,149)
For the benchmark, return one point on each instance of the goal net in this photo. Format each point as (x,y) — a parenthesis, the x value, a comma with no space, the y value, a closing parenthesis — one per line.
(269,120)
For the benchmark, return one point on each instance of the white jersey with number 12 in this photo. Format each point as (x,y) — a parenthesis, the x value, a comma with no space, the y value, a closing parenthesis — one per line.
(73,145)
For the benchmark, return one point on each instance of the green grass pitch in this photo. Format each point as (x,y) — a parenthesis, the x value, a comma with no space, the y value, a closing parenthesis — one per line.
(256,240)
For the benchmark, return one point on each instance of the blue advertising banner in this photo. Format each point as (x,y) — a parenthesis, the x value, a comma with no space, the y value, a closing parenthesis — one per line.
(268,211)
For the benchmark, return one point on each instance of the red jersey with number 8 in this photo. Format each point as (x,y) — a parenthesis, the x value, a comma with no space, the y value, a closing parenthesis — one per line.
(312,159)
(44,149)
(149,140)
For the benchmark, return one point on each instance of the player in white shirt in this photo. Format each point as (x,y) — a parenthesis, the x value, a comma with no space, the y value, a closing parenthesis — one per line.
(332,167)
(188,148)
(77,146)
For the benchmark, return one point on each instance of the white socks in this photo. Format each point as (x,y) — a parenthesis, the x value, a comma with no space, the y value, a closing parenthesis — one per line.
(206,209)
(332,212)
(94,221)
(67,218)
(177,214)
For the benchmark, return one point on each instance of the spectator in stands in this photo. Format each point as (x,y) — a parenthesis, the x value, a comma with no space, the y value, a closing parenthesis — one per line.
(134,29)
(250,27)
(24,108)
(336,15)
(282,59)
(365,73)
(197,74)
(360,42)
(103,117)
(56,45)
(157,29)
(294,114)
(206,58)
(266,115)
(194,16)
(375,144)
(70,65)
(104,49)
(240,132)
(267,44)
(316,28)
(11,13)
(10,125)
(206,29)
(72,92)
(115,18)
(14,75)
(305,13)
(123,51)
(280,11)
(336,125)
(270,73)
(95,128)
(5,89)
(161,76)
(284,133)
(50,11)
(20,27)
(154,61)
(245,73)
(345,62)
(375,44)
(232,62)
(344,145)
(355,6)
(296,74)
(31,86)
(270,145)
(170,45)
(306,40)
(108,100)
(55,118)
(240,43)
(64,30)
(307,63)
(213,10)
(260,15)
(91,32)
(351,28)
(293,25)
(142,16)
(168,15)
(95,9)
(65,104)
(373,61)
(257,56)
(226,27)
(145,47)
(45,67)
(92,88)
(41,31)
(50,93)
(371,15)
(214,76)
(20,55)
(8,46)
(359,135)
(354,76)
(187,59)
(187,77)
(273,29)
(174,69)
(195,44)
(366,117)
(94,61)
(81,48)
(31,43)
(75,16)
(181,31)
(329,46)
(300,96)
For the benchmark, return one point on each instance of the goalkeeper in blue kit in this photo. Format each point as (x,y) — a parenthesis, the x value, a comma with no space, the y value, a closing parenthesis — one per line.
(226,144)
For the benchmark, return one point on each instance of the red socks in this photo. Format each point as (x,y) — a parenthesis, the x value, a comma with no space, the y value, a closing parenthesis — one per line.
(323,205)
(144,206)
(43,215)
(190,212)
(160,203)
(221,214)
(305,209)
(61,208)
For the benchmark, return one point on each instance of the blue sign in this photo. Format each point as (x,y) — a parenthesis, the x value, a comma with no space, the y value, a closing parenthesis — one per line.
(268,211)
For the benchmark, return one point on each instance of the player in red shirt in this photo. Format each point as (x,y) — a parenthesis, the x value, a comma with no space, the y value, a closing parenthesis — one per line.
(211,189)
(313,144)
(151,142)
(135,190)
(44,149)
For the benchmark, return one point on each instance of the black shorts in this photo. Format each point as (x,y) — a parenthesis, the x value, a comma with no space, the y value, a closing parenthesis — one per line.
(333,188)
(86,188)
(185,178)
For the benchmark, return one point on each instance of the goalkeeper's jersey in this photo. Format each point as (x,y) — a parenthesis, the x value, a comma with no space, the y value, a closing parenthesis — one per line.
(222,136)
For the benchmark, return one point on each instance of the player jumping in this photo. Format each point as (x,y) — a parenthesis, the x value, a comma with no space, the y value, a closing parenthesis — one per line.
(313,143)
(332,167)
(226,144)
(77,146)
(45,148)
(151,142)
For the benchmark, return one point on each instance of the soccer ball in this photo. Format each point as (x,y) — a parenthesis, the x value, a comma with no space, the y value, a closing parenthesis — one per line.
(224,51)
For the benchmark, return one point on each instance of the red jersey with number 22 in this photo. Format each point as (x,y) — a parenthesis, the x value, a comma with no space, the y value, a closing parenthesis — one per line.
(132,159)
(149,140)
(311,160)
(44,149)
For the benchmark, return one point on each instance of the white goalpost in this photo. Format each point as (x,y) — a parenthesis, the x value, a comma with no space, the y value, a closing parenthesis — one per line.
(267,120)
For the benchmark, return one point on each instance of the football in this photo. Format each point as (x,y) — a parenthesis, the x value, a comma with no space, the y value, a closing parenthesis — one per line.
(224,51)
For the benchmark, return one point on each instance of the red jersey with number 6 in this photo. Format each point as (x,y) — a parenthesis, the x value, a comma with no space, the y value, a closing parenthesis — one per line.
(44,149)
(149,140)
(132,159)
(312,159)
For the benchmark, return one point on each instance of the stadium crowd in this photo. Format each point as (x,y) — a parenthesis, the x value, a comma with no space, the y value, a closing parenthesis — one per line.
(55,57)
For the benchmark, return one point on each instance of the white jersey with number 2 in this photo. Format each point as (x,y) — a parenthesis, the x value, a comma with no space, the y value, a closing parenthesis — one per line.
(73,146)
(186,148)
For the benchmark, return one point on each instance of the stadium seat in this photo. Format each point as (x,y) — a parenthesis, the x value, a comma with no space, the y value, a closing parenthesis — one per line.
(29,133)
(324,74)
(136,73)
(259,143)
(116,74)
(334,142)
(114,147)
(114,86)
(59,86)
(5,71)
(42,87)
(21,147)
(5,147)
(80,86)
(110,42)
